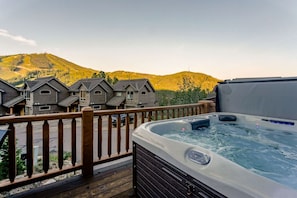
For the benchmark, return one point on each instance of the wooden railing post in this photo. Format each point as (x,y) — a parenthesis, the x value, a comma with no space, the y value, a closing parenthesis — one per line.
(207,106)
(87,141)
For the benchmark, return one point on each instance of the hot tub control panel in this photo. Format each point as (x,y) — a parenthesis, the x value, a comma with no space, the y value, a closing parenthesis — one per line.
(198,157)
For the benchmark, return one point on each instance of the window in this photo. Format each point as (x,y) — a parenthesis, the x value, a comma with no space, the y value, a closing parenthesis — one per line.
(143,93)
(98,92)
(119,94)
(130,95)
(27,95)
(97,107)
(44,108)
(45,92)
(83,95)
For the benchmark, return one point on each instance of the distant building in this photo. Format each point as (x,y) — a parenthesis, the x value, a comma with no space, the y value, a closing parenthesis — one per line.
(11,102)
(49,95)
(43,95)
(133,94)
(92,92)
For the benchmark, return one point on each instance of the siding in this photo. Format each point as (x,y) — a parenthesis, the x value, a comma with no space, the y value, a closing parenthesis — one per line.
(42,99)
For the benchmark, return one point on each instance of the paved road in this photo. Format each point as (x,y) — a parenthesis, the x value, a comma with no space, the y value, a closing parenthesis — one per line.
(37,137)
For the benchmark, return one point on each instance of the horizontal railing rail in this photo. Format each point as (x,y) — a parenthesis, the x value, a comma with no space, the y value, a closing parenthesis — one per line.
(89,137)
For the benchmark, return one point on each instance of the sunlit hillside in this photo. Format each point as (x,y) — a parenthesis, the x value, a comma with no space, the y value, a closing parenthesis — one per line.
(16,68)
(172,81)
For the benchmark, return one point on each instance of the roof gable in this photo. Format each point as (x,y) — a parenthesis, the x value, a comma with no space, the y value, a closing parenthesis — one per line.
(136,84)
(90,84)
(9,85)
(39,82)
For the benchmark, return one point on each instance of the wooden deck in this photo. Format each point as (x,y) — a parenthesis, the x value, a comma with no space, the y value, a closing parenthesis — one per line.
(113,180)
(92,141)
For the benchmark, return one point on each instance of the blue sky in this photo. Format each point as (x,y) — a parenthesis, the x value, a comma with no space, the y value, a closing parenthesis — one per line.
(222,38)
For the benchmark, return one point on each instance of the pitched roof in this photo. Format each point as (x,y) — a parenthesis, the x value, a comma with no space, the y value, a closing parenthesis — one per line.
(116,101)
(14,101)
(3,81)
(89,83)
(68,101)
(137,84)
(35,84)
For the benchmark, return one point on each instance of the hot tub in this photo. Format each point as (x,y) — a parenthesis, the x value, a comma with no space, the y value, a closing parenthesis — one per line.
(216,155)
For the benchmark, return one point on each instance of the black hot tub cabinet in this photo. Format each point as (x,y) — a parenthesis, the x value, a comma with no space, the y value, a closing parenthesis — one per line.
(165,167)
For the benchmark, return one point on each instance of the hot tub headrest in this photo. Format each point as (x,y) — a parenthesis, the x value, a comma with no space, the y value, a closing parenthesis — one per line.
(227,118)
(199,123)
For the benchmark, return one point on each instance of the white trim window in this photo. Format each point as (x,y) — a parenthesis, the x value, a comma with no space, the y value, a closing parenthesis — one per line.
(27,95)
(83,95)
(45,92)
(98,92)
(45,108)
(130,95)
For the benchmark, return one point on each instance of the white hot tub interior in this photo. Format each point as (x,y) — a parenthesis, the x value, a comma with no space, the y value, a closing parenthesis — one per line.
(264,149)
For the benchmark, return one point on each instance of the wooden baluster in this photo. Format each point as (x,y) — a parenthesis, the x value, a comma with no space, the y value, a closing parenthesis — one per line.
(109,136)
(162,114)
(127,132)
(99,137)
(200,109)
(142,116)
(173,113)
(119,134)
(168,113)
(30,154)
(60,143)
(135,120)
(45,144)
(149,116)
(156,115)
(73,141)
(11,152)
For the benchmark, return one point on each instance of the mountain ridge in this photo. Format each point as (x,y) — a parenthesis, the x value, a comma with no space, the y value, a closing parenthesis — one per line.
(15,68)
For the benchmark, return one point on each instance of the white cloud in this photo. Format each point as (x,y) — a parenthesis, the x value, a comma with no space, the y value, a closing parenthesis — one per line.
(17,38)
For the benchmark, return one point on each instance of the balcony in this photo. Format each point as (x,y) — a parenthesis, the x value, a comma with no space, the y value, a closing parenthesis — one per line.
(99,154)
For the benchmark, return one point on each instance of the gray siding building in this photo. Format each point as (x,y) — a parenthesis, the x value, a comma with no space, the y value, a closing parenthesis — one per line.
(11,102)
(133,94)
(92,92)
(43,95)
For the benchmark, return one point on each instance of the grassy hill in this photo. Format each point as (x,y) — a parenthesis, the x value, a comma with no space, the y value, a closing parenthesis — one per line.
(170,82)
(16,68)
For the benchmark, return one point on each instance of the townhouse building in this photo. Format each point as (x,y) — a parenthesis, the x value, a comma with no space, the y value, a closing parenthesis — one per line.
(49,95)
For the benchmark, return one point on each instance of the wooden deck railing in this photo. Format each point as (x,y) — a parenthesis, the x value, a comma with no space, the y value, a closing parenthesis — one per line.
(88,136)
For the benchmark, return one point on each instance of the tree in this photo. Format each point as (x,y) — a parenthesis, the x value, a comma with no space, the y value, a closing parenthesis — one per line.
(188,93)
(4,164)
(102,74)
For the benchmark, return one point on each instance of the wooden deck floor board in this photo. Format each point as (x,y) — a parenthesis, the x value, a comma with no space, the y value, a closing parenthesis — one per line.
(113,181)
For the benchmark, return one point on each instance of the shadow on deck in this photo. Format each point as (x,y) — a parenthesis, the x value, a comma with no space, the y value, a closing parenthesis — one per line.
(109,180)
